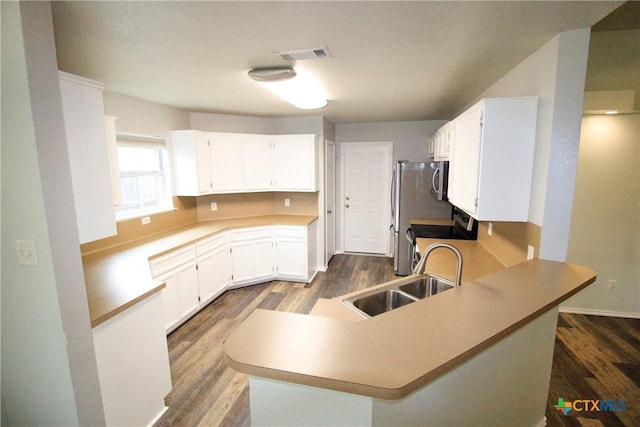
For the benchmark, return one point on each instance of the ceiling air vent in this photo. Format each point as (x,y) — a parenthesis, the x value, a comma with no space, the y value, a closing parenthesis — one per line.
(302,54)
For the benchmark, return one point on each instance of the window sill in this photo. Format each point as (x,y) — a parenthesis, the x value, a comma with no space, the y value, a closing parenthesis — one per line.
(139,215)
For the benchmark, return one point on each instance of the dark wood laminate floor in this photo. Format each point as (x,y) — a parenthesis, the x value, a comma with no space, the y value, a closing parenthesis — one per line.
(595,357)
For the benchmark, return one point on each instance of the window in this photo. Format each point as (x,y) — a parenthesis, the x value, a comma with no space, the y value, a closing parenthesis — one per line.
(145,184)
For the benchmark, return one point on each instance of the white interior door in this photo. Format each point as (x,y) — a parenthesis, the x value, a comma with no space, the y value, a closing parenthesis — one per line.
(330,200)
(366,206)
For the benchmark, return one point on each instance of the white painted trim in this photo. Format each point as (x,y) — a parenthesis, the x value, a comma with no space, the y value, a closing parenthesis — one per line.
(542,423)
(340,238)
(592,312)
(325,257)
(157,417)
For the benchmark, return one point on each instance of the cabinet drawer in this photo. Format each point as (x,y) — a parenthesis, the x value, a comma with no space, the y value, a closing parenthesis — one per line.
(293,231)
(251,234)
(210,244)
(172,260)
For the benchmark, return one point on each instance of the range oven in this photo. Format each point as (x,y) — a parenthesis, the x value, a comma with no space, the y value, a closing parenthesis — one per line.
(462,227)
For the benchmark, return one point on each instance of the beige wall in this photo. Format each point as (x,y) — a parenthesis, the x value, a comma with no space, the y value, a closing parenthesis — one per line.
(49,372)
(556,74)
(605,226)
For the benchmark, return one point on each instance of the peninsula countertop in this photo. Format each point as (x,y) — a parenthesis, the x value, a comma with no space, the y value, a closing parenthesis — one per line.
(393,354)
(119,277)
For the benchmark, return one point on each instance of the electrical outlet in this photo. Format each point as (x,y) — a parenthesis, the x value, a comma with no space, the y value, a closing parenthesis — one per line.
(613,285)
(287,202)
(214,206)
(490,229)
(531,252)
(146,220)
(27,252)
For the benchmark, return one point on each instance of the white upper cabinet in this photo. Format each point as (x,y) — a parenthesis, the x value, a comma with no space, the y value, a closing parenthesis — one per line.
(442,142)
(213,163)
(258,161)
(294,163)
(225,158)
(89,157)
(112,146)
(492,159)
(191,163)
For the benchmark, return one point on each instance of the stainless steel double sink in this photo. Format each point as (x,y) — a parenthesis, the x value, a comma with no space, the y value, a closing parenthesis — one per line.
(414,288)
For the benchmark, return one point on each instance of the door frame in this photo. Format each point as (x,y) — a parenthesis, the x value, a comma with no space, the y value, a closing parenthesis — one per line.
(327,194)
(388,145)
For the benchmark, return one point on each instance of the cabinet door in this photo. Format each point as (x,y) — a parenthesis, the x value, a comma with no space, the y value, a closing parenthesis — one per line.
(242,261)
(84,123)
(294,163)
(214,273)
(252,261)
(188,293)
(291,258)
(203,165)
(190,163)
(112,145)
(226,162)
(169,298)
(252,255)
(257,161)
(464,170)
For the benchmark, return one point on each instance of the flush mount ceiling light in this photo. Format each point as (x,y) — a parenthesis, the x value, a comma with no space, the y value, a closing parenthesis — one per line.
(272,74)
(296,87)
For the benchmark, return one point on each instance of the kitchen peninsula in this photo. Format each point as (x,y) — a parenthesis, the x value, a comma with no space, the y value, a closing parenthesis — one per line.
(479,354)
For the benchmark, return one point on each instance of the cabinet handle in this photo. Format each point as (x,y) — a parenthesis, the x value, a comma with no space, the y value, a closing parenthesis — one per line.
(329,211)
(347,198)
(346,206)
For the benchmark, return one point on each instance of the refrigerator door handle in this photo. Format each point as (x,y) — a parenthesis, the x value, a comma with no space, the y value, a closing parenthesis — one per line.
(393,194)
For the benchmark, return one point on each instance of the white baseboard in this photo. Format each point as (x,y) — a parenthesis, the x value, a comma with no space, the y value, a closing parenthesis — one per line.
(543,422)
(592,312)
(157,417)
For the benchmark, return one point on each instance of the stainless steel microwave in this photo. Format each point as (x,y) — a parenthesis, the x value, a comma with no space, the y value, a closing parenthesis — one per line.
(439,179)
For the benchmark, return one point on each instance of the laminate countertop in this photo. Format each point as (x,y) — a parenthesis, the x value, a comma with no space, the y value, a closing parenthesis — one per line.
(119,277)
(393,354)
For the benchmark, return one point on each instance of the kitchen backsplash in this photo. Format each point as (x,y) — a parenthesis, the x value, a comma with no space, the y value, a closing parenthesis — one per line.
(509,240)
(190,210)
(184,214)
(251,204)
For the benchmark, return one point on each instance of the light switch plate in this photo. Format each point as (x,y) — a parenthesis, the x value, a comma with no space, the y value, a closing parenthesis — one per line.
(27,252)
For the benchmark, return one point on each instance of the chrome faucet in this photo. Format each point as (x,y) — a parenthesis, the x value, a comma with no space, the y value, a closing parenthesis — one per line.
(419,269)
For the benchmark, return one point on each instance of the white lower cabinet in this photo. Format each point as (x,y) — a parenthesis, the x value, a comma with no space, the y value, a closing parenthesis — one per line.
(214,267)
(251,255)
(291,252)
(180,297)
(194,275)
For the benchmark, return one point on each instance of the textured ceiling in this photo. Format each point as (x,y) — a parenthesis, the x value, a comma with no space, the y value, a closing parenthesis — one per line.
(391,60)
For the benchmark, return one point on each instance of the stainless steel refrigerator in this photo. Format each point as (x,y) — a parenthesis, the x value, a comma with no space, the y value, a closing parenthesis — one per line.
(411,198)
